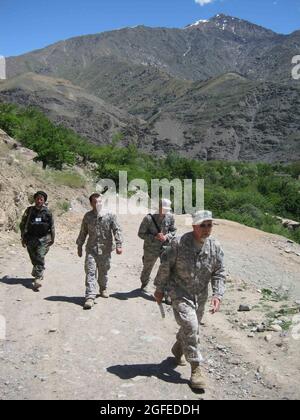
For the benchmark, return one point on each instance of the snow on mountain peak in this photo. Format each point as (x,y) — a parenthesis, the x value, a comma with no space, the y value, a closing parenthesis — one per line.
(199,22)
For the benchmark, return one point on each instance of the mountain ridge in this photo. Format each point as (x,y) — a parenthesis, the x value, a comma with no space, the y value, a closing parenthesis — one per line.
(164,48)
(156,74)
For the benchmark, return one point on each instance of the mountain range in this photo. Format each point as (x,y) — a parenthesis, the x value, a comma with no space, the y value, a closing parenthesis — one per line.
(216,89)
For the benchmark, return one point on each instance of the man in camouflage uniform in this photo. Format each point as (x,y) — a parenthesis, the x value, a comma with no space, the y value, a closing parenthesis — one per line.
(37,235)
(188,266)
(100,227)
(157,231)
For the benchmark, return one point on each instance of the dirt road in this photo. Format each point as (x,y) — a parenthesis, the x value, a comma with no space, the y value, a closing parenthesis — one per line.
(121,349)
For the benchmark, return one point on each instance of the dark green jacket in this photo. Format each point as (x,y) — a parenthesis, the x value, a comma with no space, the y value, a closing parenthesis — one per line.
(37,224)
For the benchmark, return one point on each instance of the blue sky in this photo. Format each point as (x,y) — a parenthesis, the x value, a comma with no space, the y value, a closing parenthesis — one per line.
(32,24)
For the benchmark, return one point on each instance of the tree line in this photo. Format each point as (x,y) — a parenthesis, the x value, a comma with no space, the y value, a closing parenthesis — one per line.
(249,193)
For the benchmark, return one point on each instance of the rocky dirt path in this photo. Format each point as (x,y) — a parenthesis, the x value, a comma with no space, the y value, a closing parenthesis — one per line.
(121,349)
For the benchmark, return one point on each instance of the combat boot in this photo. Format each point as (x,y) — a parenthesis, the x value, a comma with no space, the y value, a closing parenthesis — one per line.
(178,354)
(197,380)
(37,284)
(168,300)
(89,303)
(104,293)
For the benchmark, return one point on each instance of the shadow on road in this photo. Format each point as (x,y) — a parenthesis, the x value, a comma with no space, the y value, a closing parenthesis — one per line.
(76,300)
(163,371)
(134,294)
(13,281)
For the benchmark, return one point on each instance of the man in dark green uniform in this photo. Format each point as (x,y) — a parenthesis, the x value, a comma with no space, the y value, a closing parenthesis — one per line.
(37,235)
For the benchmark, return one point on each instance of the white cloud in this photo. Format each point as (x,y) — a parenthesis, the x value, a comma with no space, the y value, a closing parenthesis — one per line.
(203,2)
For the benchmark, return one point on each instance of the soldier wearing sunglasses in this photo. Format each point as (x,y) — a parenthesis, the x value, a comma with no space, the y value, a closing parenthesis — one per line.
(188,266)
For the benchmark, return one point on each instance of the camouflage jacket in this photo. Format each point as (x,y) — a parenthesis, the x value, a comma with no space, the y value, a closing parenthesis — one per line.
(100,232)
(148,231)
(187,270)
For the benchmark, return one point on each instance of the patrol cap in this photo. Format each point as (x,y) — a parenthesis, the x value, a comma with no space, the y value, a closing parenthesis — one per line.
(166,204)
(202,216)
(42,193)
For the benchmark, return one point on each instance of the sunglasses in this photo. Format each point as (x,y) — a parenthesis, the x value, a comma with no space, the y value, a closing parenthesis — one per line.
(206,225)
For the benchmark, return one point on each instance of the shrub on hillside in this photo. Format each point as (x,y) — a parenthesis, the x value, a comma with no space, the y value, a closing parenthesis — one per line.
(239,191)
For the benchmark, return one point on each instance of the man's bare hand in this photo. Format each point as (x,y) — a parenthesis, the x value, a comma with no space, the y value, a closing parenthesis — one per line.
(79,252)
(160,237)
(158,296)
(119,251)
(216,304)
(24,244)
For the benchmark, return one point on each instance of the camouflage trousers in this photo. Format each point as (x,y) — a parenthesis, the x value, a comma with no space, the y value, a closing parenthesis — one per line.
(149,261)
(188,316)
(94,263)
(37,250)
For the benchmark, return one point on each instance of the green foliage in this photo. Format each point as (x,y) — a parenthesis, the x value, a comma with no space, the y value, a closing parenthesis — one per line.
(66,178)
(63,206)
(274,296)
(294,170)
(248,193)
(52,144)
(289,311)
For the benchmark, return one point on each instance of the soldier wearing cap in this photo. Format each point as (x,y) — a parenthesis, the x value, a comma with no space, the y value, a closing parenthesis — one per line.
(102,228)
(188,266)
(157,231)
(38,235)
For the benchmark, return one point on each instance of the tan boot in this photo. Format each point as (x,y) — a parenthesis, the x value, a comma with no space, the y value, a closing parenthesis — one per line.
(168,300)
(197,380)
(178,353)
(89,303)
(37,284)
(104,293)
